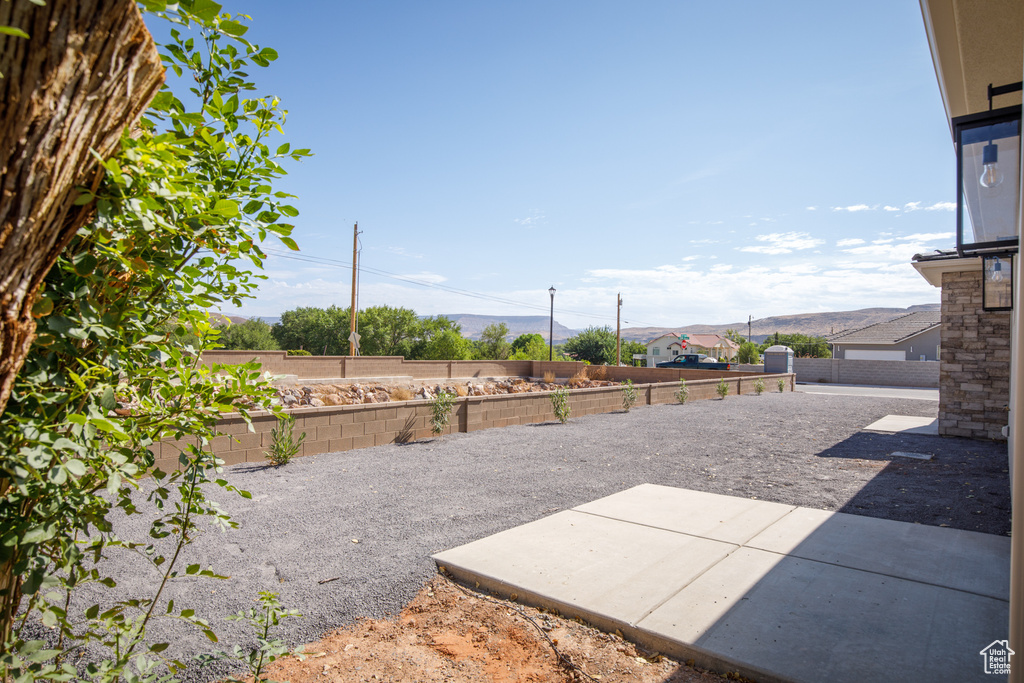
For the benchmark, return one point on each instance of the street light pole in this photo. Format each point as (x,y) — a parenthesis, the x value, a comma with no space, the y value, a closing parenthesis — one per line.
(551,330)
(618,331)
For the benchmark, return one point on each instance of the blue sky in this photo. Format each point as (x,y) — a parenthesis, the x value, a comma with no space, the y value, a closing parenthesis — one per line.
(709,161)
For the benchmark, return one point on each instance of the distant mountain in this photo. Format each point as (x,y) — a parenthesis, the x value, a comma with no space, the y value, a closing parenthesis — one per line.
(473,325)
(813,324)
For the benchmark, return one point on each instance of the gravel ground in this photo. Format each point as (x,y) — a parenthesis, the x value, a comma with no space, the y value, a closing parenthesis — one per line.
(371,518)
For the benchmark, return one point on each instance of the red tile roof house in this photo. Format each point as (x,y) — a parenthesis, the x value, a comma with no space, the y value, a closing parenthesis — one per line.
(914,336)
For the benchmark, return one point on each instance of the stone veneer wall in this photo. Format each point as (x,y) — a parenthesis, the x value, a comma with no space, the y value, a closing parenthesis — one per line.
(974,375)
(340,428)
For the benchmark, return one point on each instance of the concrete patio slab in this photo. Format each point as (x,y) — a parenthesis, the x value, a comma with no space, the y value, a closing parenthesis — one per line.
(789,619)
(722,518)
(584,560)
(905,424)
(970,562)
(795,594)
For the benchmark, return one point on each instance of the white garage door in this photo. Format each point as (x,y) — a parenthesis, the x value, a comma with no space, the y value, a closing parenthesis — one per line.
(864,354)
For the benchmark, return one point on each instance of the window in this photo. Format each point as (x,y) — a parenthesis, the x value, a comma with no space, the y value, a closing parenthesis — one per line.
(657,351)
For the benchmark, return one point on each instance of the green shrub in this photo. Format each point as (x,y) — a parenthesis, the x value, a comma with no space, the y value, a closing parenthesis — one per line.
(683,392)
(441,411)
(628,395)
(261,619)
(722,389)
(782,385)
(759,387)
(298,352)
(283,445)
(560,403)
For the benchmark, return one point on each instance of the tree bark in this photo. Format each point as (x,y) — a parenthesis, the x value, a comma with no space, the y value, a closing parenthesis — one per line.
(88,71)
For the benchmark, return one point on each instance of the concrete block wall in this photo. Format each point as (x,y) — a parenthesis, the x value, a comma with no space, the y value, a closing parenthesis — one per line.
(893,373)
(974,378)
(332,429)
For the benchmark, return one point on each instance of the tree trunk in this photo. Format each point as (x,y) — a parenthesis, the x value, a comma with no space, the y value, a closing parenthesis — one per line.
(88,71)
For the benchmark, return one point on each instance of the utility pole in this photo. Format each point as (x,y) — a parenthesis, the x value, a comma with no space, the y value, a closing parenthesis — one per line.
(750,319)
(618,331)
(352,345)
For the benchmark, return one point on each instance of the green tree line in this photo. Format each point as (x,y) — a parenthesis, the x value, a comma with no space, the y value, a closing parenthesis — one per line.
(391,331)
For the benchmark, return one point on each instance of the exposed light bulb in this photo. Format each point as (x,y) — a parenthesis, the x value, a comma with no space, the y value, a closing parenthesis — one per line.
(997,271)
(991,176)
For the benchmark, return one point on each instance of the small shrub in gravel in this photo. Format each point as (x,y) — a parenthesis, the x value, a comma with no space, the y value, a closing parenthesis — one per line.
(560,404)
(722,389)
(759,387)
(682,393)
(782,385)
(628,395)
(261,619)
(441,411)
(283,445)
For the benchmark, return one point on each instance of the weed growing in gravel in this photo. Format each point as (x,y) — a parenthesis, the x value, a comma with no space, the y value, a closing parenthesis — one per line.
(283,445)
(549,376)
(628,395)
(441,411)
(722,389)
(560,403)
(782,385)
(682,393)
(759,387)
(261,618)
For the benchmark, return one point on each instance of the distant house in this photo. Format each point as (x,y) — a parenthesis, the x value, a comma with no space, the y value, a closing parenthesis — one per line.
(713,346)
(668,345)
(664,348)
(915,336)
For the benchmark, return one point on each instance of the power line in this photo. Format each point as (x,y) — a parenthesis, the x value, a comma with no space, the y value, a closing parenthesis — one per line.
(319,260)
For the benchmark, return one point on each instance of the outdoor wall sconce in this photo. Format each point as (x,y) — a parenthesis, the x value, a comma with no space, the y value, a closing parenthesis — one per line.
(997,282)
(988,177)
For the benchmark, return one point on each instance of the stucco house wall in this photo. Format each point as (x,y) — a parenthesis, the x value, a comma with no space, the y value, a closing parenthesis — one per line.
(926,344)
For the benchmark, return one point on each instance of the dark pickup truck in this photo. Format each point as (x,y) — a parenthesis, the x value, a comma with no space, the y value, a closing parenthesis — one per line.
(693,361)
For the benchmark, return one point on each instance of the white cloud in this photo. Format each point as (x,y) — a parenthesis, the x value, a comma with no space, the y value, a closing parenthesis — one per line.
(890,208)
(899,250)
(941,206)
(912,206)
(689,258)
(704,241)
(930,236)
(811,208)
(402,251)
(530,221)
(425,276)
(849,242)
(853,209)
(783,243)
(721,268)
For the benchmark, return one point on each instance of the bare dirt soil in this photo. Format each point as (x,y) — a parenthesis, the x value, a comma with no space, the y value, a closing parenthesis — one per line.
(448,634)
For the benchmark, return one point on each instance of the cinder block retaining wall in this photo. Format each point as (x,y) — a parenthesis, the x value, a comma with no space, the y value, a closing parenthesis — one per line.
(892,373)
(341,428)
